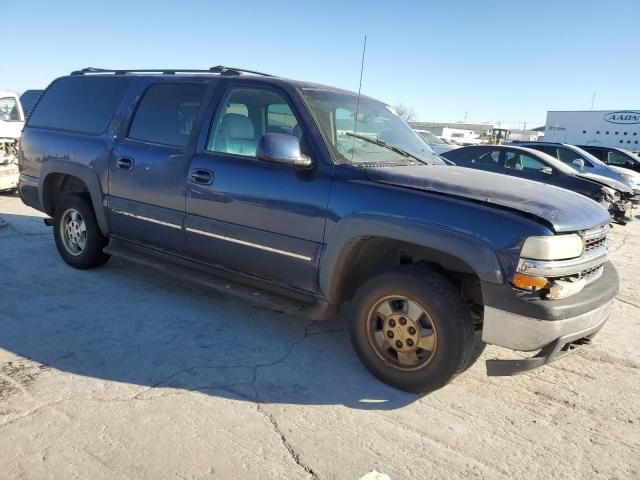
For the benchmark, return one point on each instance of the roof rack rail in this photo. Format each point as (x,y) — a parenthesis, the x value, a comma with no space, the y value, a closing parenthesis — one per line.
(219,69)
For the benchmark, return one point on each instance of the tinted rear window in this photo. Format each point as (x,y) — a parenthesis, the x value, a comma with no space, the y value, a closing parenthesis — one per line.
(166,114)
(80,104)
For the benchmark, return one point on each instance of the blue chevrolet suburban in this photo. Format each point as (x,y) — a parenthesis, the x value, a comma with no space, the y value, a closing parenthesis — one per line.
(325,196)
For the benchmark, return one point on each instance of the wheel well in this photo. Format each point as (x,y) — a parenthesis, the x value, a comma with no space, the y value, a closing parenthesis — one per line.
(56,186)
(376,255)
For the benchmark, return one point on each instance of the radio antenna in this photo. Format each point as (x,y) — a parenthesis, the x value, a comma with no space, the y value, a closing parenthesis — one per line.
(355,123)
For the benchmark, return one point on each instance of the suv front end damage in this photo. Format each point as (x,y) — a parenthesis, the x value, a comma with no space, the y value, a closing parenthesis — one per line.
(558,301)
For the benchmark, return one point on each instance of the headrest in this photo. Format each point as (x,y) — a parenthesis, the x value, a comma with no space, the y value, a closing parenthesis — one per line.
(237,126)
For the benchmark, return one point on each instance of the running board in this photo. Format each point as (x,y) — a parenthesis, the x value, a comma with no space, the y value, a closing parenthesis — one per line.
(292,302)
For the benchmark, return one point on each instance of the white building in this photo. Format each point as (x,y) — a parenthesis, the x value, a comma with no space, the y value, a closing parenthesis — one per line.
(438,128)
(610,128)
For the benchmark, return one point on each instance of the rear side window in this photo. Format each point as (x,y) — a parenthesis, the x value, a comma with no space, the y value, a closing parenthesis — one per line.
(80,104)
(166,114)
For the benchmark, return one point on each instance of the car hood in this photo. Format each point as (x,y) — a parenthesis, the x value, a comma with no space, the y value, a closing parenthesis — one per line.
(632,174)
(564,210)
(609,182)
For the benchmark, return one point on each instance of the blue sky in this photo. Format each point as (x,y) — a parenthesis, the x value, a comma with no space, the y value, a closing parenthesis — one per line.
(497,61)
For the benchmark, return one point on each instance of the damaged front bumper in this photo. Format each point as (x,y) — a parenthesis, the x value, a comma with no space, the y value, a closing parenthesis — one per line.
(554,328)
(9,176)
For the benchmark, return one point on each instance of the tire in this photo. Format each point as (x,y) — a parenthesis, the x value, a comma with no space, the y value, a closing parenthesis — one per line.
(75,211)
(444,327)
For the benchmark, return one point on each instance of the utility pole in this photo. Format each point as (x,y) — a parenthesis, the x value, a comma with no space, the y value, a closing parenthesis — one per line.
(593,99)
(465,116)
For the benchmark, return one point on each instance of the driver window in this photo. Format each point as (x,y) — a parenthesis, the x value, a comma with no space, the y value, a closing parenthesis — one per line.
(616,158)
(568,156)
(520,161)
(247,115)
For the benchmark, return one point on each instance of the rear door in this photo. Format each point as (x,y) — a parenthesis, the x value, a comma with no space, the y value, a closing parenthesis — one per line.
(147,171)
(481,158)
(262,219)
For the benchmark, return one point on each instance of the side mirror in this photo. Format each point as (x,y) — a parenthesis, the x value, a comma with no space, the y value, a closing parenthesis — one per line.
(547,170)
(281,148)
(578,162)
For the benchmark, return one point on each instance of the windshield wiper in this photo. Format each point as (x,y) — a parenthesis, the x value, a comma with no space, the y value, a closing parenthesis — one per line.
(388,146)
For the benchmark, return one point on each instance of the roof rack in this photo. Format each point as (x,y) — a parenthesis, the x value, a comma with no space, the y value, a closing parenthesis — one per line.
(219,69)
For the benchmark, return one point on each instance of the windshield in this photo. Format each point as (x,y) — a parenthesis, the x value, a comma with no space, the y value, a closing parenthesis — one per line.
(630,155)
(378,136)
(430,137)
(9,110)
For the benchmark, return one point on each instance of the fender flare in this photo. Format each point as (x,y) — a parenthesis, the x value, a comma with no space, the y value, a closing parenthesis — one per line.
(349,232)
(84,173)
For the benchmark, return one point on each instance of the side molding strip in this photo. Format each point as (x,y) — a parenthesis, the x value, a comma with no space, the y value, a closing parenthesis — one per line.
(147,219)
(249,244)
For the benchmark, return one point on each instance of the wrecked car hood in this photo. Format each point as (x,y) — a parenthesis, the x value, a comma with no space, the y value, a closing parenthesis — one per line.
(565,211)
(609,182)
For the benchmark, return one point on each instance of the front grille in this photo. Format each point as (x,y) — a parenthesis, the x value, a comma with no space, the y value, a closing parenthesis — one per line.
(592,274)
(593,244)
(595,238)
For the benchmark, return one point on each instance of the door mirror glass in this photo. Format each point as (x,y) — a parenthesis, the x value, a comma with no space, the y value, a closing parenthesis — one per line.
(578,162)
(281,148)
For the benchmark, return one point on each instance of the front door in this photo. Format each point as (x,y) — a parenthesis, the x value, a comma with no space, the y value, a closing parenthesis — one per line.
(519,164)
(261,219)
(147,171)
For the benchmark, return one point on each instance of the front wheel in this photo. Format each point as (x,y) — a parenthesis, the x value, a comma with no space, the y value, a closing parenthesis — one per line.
(411,329)
(77,234)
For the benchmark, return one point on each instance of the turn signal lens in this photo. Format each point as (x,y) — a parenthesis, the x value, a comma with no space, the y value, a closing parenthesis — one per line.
(527,282)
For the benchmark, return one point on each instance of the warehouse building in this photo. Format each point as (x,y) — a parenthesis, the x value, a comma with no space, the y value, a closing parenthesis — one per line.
(609,128)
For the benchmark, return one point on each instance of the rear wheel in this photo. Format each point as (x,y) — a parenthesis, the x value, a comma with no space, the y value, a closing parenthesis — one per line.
(411,329)
(77,235)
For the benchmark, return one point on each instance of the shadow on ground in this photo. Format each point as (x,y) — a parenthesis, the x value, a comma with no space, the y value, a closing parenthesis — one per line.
(155,328)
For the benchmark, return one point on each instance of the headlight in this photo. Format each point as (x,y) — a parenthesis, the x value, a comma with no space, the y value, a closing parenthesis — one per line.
(557,247)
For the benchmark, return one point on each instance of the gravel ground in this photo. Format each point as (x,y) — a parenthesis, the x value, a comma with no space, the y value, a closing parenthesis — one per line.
(131,372)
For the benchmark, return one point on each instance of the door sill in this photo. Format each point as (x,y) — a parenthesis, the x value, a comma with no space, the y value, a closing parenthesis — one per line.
(290,301)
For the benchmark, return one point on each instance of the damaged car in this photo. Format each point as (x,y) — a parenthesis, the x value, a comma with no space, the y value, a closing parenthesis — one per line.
(523,162)
(325,196)
(11,124)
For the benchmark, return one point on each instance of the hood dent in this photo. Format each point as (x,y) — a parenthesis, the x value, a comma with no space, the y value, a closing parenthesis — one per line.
(563,210)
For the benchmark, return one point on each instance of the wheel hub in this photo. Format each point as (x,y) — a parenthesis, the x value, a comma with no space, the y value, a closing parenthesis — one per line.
(401,332)
(74,232)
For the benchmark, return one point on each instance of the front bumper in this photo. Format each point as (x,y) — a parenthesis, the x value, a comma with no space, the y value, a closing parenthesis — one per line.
(558,348)
(554,327)
(9,175)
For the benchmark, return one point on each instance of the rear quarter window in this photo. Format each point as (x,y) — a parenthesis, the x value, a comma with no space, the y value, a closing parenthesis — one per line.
(80,104)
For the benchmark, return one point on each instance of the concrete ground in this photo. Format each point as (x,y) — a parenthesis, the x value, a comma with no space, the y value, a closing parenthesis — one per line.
(129,372)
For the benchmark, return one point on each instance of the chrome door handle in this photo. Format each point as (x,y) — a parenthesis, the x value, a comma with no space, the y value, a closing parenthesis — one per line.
(202,176)
(125,163)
